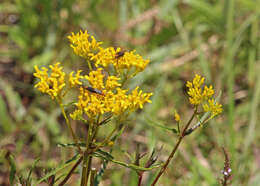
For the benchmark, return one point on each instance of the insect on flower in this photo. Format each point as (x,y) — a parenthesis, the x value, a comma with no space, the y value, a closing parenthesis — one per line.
(190,130)
(120,54)
(94,90)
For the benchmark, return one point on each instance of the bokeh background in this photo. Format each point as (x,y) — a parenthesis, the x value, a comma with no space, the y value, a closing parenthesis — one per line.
(218,39)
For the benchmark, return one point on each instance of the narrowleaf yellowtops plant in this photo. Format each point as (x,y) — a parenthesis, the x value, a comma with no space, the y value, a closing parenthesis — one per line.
(100,90)
(102,95)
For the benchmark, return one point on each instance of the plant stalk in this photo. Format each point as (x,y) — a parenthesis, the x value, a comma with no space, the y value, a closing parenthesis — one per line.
(70,173)
(75,139)
(165,165)
(86,158)
(140,177)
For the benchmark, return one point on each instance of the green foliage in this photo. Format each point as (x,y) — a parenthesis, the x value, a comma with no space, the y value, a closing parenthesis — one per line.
(218,39)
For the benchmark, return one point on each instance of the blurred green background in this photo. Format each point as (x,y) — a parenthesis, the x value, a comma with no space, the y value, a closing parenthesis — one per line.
(218,39)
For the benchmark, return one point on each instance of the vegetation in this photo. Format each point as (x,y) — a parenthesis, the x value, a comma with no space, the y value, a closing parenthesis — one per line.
(41,143)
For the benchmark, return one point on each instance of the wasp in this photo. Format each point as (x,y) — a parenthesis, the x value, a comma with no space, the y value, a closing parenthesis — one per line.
(190,130)
(94,90)
(120,54)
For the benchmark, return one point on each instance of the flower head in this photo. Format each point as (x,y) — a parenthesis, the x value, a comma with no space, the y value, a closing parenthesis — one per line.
(105,57)
(75,80)
(129,60)
(52,84)
(112,82)
(213,107)
(203,95)
(195,90)
(138,98)
(83,44)
(96,78)
(177,117)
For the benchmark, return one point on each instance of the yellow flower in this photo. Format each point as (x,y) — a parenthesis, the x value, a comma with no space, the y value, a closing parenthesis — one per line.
(129,60)
(213,107)
(195,92)
(110,143)
(86,46)
(208,92)
(93,104)
(76,115)
(118,102)
(199,95)
(177,116)
(42,74)
(53,84)
(138,99)
(74,80)
(95,78)
(112,82)
(107,95)
(83,44)
(104,57)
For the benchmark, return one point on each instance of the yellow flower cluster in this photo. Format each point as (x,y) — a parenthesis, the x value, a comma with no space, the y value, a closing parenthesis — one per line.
(52,84)
(100,91)
(111,99)
(199,95)
(74,81)
(83,44)
(212,106)
(87,47)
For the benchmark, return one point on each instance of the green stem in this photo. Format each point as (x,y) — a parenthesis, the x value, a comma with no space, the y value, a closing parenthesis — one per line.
(92,177)
(89,161)
(95,132)
(84,169)
(89,66)
(125,78)
(86,159)
(140,178)
(75,139)
(70,172)
(165,165)
(106,140)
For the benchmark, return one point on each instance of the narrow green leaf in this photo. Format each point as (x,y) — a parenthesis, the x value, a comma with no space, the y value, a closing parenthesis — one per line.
(12,170)
(31,169)
(59,168)
(71,144)
(150,122)
(5,119)
(128,165)
(107,154)
(118,134)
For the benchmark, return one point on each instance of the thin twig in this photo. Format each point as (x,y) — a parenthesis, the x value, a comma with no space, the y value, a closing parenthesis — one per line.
(140,179)
(71,171)
(163,168)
